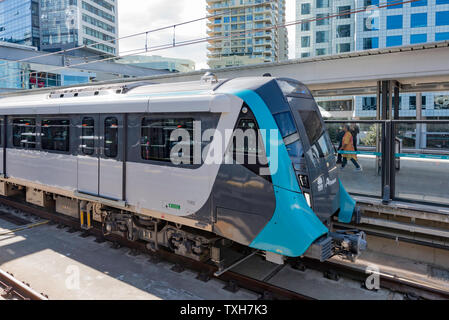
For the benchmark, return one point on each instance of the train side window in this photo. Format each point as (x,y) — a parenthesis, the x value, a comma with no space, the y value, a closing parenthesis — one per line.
(289,133)
(156,143)
(294,146)
(88,136)
(321,148)
(312,123)
(285,123)
(24,133)
(111,137)
(56,135)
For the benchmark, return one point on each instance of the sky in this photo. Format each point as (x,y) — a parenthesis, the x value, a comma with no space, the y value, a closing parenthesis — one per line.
(137,16)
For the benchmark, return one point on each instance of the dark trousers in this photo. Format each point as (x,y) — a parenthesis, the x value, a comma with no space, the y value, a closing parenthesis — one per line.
(345,162)
(339,157)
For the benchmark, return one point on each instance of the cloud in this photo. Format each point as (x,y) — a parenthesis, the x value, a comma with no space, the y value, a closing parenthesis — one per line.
(137,16)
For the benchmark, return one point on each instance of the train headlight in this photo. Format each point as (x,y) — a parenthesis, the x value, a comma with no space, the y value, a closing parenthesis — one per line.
(304,181)
(307,196)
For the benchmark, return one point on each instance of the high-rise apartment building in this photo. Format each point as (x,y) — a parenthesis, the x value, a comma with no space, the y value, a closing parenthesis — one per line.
(244,32)
(66,24)
(396,25)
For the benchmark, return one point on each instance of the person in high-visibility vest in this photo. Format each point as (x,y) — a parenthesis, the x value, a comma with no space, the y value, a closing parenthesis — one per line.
(348,145)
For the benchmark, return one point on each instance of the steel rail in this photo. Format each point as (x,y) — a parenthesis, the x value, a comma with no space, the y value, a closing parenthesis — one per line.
(13,287)
(387,281)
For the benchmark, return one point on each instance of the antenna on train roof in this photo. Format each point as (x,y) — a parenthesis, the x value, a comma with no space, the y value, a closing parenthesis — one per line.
(209,77)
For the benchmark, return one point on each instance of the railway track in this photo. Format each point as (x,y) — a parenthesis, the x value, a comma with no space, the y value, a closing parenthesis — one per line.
(205,271)
(409,288)
(13,289)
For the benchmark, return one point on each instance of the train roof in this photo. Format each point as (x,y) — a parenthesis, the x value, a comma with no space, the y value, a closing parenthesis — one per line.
(124,97)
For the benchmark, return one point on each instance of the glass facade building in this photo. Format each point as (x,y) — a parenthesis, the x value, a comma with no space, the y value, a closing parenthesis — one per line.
(19,22)
(55,25)
(396,25)
(66,24)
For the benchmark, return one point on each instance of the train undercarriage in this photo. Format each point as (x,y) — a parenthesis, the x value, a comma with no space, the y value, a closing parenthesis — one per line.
(193,243)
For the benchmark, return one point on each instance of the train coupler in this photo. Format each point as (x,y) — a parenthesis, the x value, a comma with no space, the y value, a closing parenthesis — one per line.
(349,243)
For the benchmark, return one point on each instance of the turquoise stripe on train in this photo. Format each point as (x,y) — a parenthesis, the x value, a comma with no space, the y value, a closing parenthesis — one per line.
(294,226)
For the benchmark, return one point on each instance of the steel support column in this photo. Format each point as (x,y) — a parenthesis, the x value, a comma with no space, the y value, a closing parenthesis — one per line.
(388,94)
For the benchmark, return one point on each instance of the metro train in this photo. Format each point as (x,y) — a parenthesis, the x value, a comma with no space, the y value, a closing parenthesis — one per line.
(104,154)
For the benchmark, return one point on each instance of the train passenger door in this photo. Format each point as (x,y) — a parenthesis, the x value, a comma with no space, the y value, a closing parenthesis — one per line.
(88,154)
(111,158)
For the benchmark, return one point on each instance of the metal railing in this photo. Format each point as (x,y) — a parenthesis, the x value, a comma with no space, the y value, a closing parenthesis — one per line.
(406,160)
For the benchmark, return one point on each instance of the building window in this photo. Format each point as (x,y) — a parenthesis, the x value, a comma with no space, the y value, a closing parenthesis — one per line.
(420,3)
(305,8)
(369,103)
(305,26)
(156,143)
(322,4)
(344,31)
(322,20)
(322,36)
(226,19)
(98,12)
(441,36)
(55,135)
(393,41)
(88,136)
(418,38)
(342,12)
(371,24)
(418,20)
(24,133)
(442,1)
(321,52)
(343,47)
(305,42)
(412,105)
(392,5)
(305,54)
(111,137)
(336,105)
(442,18)
(370,43)
(368,3)
(394,22)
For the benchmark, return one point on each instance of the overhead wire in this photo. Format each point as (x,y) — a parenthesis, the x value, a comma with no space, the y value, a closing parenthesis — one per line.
(170,45)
